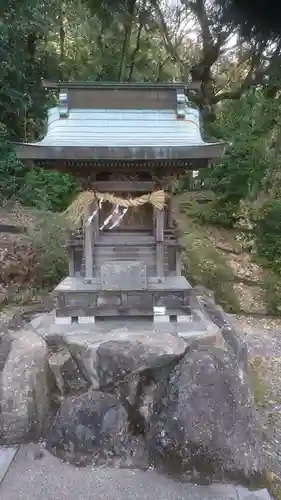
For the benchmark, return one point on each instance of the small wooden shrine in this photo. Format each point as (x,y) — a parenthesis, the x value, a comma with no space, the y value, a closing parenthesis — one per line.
(125,144)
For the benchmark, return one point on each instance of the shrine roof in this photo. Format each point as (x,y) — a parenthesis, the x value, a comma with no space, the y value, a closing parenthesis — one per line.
(149,128)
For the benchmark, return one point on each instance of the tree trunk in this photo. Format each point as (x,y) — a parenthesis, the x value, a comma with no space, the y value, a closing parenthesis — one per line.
(62,41)
(127,38)
(137,48)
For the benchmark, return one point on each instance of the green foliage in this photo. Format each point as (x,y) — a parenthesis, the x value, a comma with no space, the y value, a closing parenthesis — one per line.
(251,19)
(246,126)
(23,26)
(47,190)
(108,9)
(38,188)
(272,286)
(275,491)
(47,237)
(268,233)
(221,212)
(204,266)
(12,173)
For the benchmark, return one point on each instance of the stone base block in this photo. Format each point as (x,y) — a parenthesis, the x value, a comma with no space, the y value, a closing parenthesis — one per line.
(184,318)
(75,299)
(161,318)
(86,319)
(63,320)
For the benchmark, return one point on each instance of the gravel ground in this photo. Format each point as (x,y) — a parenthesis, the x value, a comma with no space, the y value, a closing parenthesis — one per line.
(49,479)
(263,337)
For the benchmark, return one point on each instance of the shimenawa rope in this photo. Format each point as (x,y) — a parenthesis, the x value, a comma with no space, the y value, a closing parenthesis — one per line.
(77,211)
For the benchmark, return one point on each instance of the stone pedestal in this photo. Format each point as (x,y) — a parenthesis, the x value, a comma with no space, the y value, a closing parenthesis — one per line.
(123,291)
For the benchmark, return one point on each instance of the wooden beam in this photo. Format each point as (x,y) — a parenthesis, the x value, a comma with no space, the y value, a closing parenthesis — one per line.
(160,259)
(88,243)
(96,223)
(170,214)
(178,262)
(186,153)
(51,85)
(159,225)
(122,244)
(85,168)
(123,186)
(159,242)
(70,258)
(95,229)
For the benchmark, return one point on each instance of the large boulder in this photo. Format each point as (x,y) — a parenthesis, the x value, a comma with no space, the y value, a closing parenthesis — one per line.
(67,375)
(216,314)
(132,365)
(189,403)
(25,382)
(207,424)
(5,347)
(109,357)
(90,428)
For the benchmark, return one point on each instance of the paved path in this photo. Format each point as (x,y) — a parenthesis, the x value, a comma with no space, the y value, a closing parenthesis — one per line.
(46,478)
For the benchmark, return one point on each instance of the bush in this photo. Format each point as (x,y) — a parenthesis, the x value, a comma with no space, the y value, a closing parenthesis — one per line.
(42,189)
(204,206)
(272,285)
(47,236)
(47,190)
(267,232)
(203,265)
(219,213)
(36,258)
(12,174)
(246,126)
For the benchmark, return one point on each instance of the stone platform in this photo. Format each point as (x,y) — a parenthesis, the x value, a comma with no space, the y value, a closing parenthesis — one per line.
(116,296)
(196,327)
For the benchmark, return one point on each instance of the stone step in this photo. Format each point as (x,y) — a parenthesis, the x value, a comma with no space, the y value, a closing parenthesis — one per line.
(48,478)
(7,455)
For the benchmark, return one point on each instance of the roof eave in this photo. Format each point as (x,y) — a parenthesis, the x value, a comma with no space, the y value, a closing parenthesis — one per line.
(208,151)
(53,85)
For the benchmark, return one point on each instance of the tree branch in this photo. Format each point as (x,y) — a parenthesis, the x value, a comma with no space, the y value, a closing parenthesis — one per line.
(166,35)
(198,8)
(127,37)
(255,75)
(211,48)
(136,50)
(160,68)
